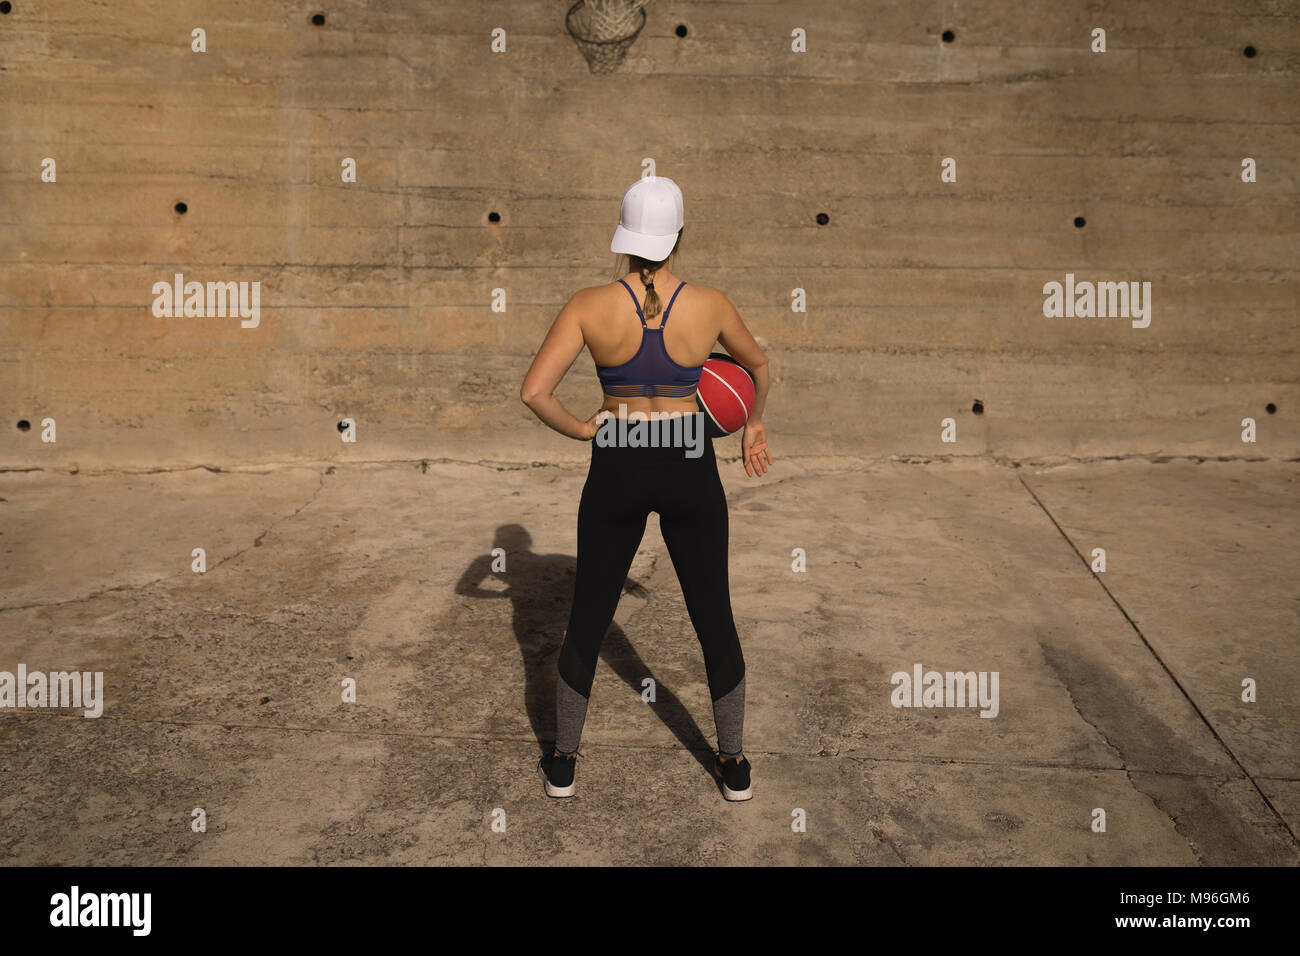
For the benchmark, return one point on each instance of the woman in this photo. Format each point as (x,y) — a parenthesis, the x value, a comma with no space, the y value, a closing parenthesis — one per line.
(648,366)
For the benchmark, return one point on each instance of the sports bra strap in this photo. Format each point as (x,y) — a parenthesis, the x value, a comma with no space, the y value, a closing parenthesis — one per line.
(670,307)
(641,315)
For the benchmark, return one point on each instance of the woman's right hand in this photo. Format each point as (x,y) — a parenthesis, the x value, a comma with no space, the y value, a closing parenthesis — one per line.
(594,422)
(753,449)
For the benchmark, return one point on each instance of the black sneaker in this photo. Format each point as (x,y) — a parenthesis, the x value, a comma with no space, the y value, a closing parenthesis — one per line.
(557,774)
(735,779)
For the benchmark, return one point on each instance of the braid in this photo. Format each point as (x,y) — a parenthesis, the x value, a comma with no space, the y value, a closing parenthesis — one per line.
(652,305)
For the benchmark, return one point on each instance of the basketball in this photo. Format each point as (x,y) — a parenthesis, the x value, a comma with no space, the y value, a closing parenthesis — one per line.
(726,395)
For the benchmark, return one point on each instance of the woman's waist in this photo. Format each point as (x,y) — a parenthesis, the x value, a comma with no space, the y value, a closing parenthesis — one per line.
(662,434)
(624,405)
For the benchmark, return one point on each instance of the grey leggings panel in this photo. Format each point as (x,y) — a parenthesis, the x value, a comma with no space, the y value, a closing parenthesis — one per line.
(570,714)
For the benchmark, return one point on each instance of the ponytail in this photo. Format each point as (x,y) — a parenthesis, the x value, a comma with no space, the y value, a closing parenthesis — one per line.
(624,263)
(652,307)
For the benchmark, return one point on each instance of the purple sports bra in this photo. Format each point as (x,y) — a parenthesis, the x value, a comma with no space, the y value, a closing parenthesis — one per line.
(650,373)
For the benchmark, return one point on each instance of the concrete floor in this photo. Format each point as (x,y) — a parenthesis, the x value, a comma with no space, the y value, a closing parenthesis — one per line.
(1118,691)
(413,300)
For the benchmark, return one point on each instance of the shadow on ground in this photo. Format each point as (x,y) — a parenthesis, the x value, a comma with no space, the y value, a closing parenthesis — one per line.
(537,616)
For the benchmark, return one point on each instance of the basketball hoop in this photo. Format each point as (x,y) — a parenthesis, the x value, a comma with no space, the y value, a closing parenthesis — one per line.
(604,30)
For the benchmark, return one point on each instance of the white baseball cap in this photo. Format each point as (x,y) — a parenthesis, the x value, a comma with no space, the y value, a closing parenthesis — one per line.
(650,219)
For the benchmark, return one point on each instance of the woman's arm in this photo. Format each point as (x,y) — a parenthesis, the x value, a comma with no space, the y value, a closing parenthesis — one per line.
(561,348)
(740,345)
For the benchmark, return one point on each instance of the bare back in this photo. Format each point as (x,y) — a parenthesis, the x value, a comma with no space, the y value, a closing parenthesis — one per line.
(612,331)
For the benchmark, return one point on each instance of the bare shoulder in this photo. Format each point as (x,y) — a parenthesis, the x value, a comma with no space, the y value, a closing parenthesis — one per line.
(596,296)
(590,295)
(715,301)
(705,296)
(710,304)
(703,290)
(592,300)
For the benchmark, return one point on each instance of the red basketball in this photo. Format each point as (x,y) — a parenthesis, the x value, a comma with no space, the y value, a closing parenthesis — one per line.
(726,395)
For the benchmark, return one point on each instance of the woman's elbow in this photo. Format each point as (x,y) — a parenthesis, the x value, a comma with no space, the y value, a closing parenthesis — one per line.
(529,395)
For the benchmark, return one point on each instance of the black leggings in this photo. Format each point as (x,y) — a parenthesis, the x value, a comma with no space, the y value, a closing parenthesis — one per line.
(623,486)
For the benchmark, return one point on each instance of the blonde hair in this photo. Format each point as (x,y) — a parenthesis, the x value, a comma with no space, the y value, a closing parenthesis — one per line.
(625,263)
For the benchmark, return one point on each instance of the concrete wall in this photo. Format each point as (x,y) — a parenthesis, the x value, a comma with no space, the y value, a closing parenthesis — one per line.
(923,296)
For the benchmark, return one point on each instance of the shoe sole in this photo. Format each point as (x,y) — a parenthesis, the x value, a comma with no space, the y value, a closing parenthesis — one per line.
(737,795)
(734,796)
(552,790)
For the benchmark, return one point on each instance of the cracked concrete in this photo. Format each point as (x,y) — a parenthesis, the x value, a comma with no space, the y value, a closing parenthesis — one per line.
(1118,691)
